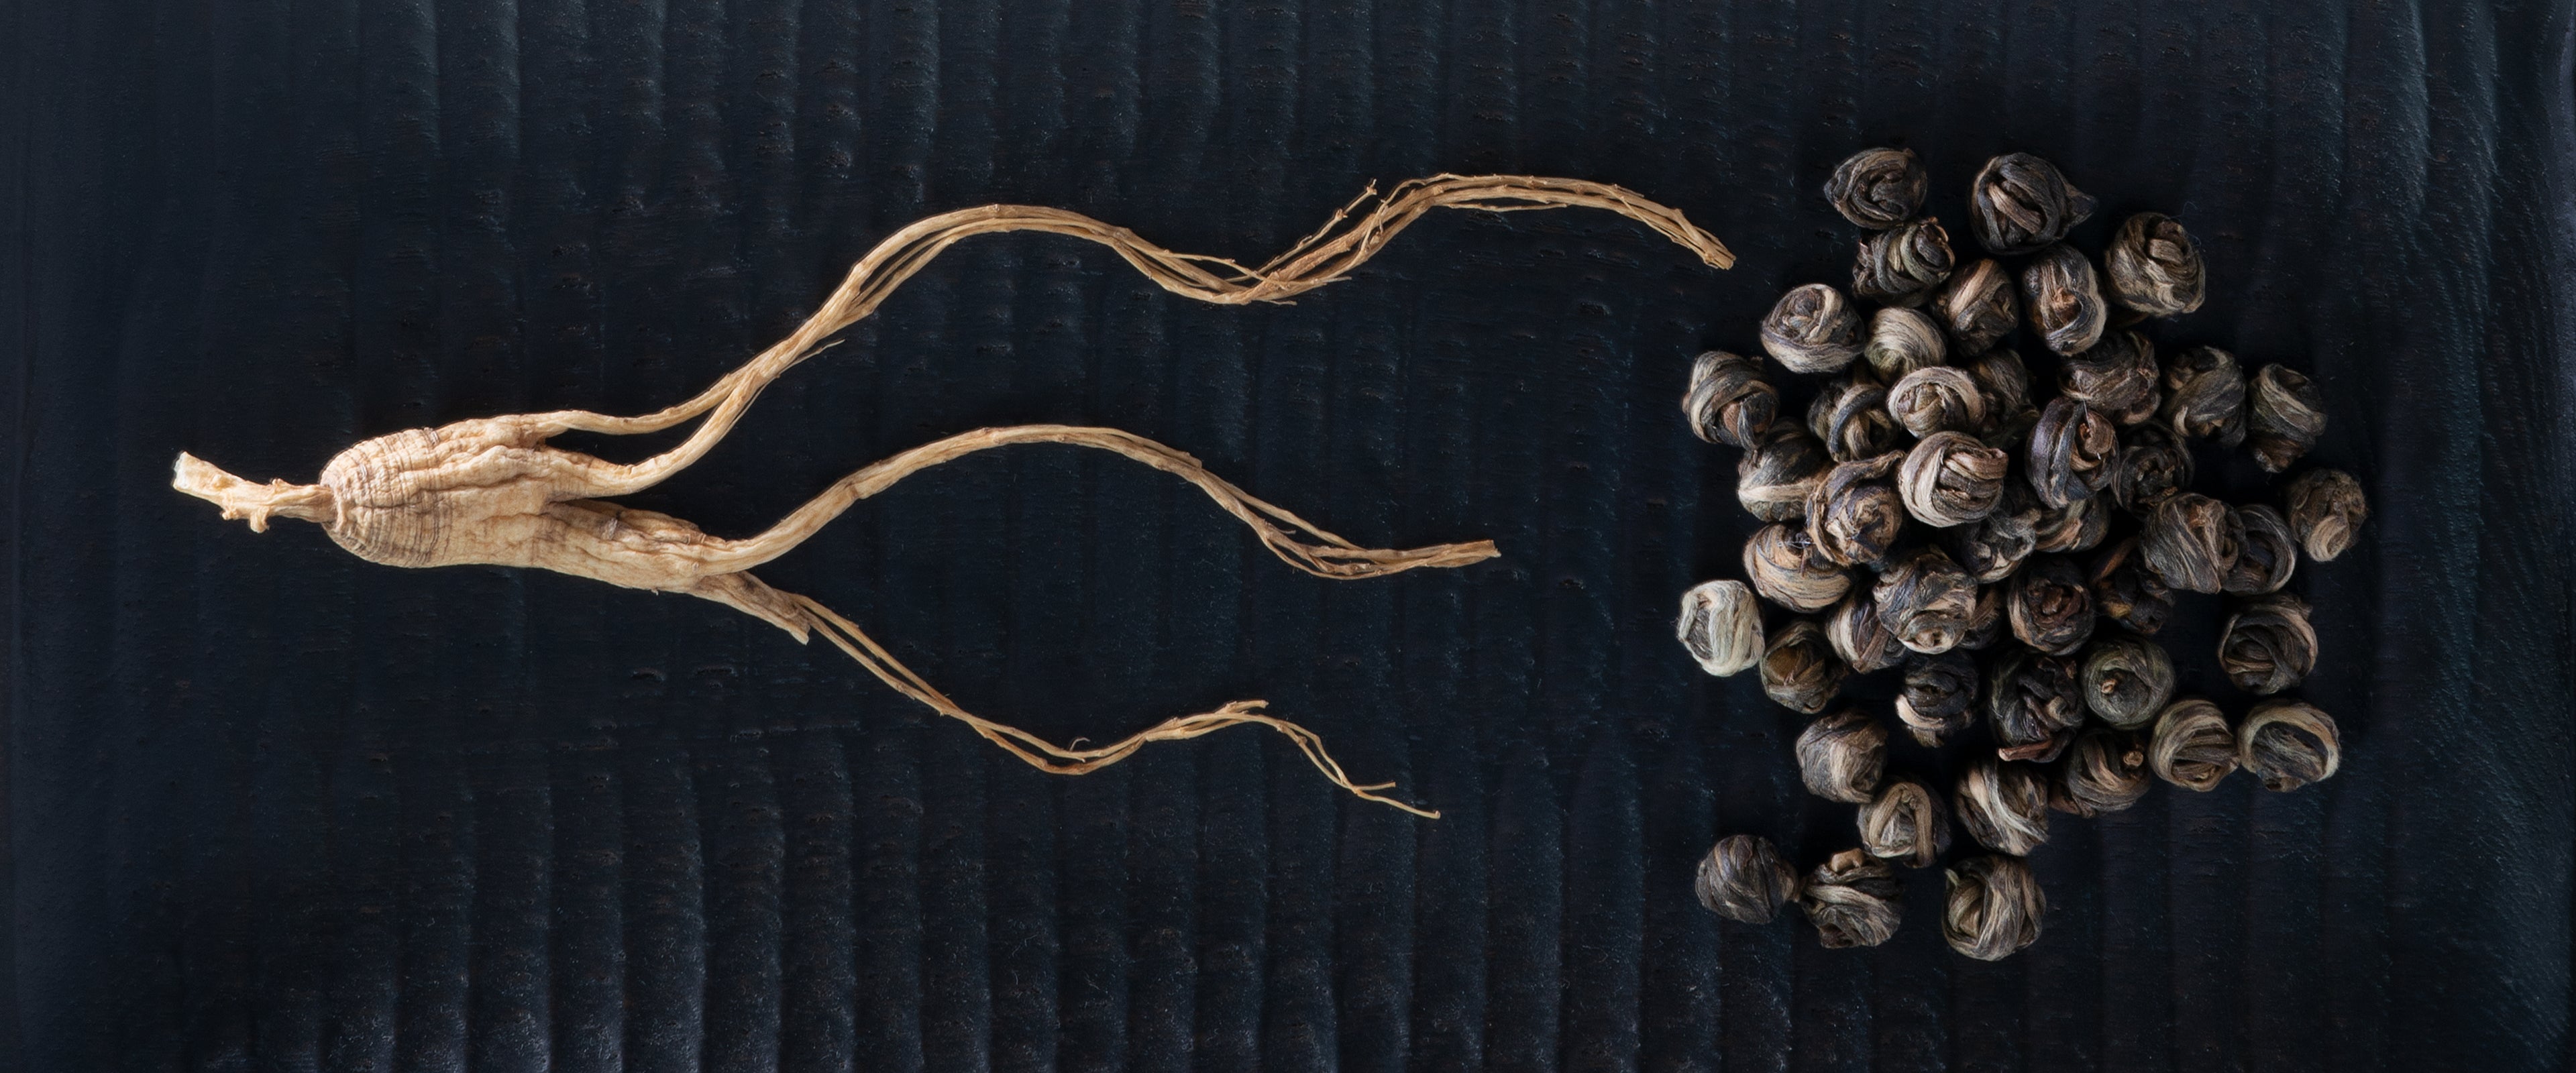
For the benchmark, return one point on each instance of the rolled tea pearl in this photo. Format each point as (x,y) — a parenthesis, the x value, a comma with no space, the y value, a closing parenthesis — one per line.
(2116,378)
(2191,541)
(1800,670)
(2034,702)
(2192,747)
(2078,526)
(2326,512)
(1977,306)
(1850,417)
(2154,267)
(2020,204)
(1861,636)
(1901,341)
(1840,756)
(1901,265)
(1728,401)
(1906,823)
(1994,908)
(2051,605)
(1743,878)
(1939,697)
(2063,300)
(1856,516)
(1812,329)
(2268,645)
(1951,479)
(1878,188)
(1989,622)
(2284,415)
(1992,547)
(2003,805)
(2289,744)
(2127,681)
(2268,556)
(1936,399)
(1852,900)
(1925,600)
(2128,593)
(2105,771)
(2002,378)
(2151,467)
(1721,626)
(2071,449)
(1776,475)
(1788,569)
(2205,396)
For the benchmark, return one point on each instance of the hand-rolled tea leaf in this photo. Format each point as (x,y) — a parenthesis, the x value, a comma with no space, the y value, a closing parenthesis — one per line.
(2205,396)
(2289,744)
(1906,823)
(1787,568)
(2266,559)
(2106,771)
(1800,670)
(1939,698)
(1812,329)
(2154,266)
(2284,415)
(2128,681)
(2192,747)
(1994,908)
(2326,512)
(2128,593)
(2071,449)
(1743,878)
(1855,516)
(2151,466)
(2003,805)
(1992,547)
(1850,417)
(2020,204)
(1840,756)
(1860,635)
(2063,300)
(2003,378)
(1777,474)
(1728,401)
(2079,526)
(1901,341)
(2191,541)
(1951,479)
(1936,399)
(1878,188)
(1901,265)
(1926,600)
(1721,626)
(2117,378)
(1977,306)
(1989,622)
(1852,900)
(2034,703)
(2268,645)
(2051,605)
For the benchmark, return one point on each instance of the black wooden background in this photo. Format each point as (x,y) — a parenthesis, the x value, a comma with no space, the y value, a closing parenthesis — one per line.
(271,807)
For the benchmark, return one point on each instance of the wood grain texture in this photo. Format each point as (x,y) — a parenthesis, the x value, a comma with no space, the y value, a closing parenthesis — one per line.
(269,806)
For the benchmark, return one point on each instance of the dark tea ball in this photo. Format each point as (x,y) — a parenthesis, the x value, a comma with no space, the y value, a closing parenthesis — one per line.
(1852,898)
(1721,627)
(2191,541)
(1800,670)
(2205,396)
(1789,570)
(2079,526)
(2154,266)
(2284,415)
(1994,908)
(2003,805)
(1978,306)
(1901,341)
(1743,878)
(1777,474)
(1906,823)
(2105,771)
(1992,547)
(1951,479)
(1939,696)
(2062,298)
(2268,645)
(1813,329)
(1937,398)
(1728,401)
(1878,188)
(2003,378)
(2020,204)
(1841,755)
(1860,635)
(1901,265)
(2117,378)
(1989,622)
(1856,515)
(2266,559)
(2128,593)
(2151,467)
(2071,451)
(2326,512)
(1926,600)
(2289,744)
(2051,605)
(2127,681)
(1850,418)
(2192,747)
(2034,702)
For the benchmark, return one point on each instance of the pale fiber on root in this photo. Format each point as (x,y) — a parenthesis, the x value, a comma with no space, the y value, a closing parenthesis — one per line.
(490,491)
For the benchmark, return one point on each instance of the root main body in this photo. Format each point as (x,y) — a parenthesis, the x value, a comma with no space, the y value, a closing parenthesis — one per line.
(491,491)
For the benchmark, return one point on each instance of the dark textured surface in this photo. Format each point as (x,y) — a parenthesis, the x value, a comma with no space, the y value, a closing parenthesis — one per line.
(272,807)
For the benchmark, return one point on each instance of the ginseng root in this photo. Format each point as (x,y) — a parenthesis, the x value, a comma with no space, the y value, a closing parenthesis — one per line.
(491,491)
